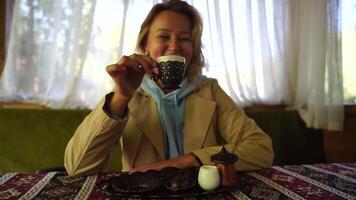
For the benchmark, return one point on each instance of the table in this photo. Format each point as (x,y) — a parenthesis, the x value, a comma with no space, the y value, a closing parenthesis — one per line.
(318,181)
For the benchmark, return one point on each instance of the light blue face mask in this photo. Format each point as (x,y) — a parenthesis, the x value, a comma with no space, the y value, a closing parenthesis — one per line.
(171,110)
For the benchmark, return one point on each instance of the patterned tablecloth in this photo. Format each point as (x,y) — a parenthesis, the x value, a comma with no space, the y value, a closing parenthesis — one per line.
(319,181)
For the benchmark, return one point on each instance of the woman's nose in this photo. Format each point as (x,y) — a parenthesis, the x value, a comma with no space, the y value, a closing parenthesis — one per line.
(174,45)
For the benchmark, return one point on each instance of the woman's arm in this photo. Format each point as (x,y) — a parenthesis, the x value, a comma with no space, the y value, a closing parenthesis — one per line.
(184,161)
(254,146)
(89,150)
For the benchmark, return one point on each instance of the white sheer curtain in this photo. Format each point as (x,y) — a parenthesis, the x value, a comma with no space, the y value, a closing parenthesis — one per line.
(315,66)
(278,52)
(58,49)
(245,48)
(262,52)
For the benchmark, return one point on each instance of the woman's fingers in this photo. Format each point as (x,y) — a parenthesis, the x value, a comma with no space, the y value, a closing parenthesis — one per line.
(139,63)
(129,71)
(145,62)
(131,63)
(113,69)
(182,162)
(154,166)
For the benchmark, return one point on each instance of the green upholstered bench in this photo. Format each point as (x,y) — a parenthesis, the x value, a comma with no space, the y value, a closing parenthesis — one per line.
(35,139)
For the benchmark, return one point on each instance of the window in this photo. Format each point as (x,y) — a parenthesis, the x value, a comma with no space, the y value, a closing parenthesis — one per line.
(349,50)
(106,35)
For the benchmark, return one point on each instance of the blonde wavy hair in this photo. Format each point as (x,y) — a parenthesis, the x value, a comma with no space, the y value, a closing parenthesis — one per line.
(193,15)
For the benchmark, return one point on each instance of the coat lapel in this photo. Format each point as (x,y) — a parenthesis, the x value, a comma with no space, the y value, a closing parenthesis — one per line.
(147,120)
(198,115)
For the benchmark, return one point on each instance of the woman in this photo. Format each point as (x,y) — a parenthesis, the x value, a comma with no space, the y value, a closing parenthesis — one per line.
(161,127)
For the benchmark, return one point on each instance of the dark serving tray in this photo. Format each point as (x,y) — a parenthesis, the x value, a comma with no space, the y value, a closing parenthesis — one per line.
(167,183)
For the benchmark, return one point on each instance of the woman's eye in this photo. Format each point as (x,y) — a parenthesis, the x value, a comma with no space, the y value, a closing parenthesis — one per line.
(163,36)
(185,39)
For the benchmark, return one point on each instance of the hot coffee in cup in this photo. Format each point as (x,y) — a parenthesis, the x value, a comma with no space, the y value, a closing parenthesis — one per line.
(171,70)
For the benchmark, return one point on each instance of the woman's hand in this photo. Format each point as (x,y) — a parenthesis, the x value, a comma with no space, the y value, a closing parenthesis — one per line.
(185,161)
(127,74)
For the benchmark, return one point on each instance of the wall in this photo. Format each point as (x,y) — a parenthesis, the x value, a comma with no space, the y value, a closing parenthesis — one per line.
(338,146)
(341,146)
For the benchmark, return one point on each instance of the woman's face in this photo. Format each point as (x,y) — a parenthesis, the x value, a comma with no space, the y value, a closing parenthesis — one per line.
(170,34)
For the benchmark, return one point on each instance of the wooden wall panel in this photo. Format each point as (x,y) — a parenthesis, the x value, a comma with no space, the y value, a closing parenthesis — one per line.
(341,146)
(338,146)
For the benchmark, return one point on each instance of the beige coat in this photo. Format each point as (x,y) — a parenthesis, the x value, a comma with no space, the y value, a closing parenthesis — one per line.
(210,116)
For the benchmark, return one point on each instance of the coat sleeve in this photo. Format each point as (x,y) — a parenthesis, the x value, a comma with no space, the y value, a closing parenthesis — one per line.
(255,147)
(89,150)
